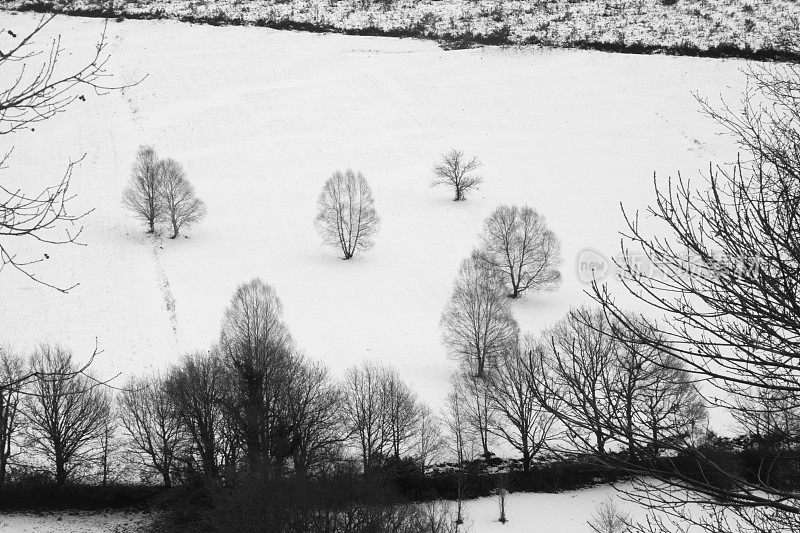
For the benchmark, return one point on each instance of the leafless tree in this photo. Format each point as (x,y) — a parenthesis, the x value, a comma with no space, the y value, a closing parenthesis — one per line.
(384,417)
(402,413)
(501,482)
(315,415)
(197,389)
(36,88)
(519,246)
(477,325)
(11,369)
(480,408)
(455,171)
(607,518)
(155,434)
(108,447)
(181,206)
(768,412)
(723,277)
(576,378)
(456,422)
(259,353)
(346,215)
(143,195)
(366,414)
(65,412)
(428,441)
(520,420)
(667,404)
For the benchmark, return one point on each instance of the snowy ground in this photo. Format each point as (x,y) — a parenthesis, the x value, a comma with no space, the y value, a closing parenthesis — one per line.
(695,24)
(260,118)
(566,512)
(76,522)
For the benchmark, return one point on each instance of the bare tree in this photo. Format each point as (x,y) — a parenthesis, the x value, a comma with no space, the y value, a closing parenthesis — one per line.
(258,350)
(607,518)
(402,413)
(143,195)
(520,420)
(480,409)
(197,389)
(346,215)
(428,441)
(501,482)
(65,412)
(155,434)
(108,446)
(455,171)
(456,422)
(366,413)
(477,325)
(182,207)
(519,246)
(576,378)
(315,415)
(11,369)
(36,88)
(724,282)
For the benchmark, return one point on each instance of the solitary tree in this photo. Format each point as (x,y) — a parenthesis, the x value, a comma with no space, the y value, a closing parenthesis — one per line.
(519,246)
(346,215)
(181,206)
(477,325)
(143,194)
(455,171)
(65,412)
(33,89)
(154,430)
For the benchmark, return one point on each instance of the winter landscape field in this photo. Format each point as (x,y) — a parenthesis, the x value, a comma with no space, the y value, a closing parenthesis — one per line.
(259,119)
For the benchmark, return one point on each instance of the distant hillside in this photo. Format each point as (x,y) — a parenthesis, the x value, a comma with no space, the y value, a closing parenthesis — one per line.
(719,28)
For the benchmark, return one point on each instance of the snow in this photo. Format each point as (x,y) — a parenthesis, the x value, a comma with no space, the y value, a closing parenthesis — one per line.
(693,23)
(565,512)
(76,522)
(260,118)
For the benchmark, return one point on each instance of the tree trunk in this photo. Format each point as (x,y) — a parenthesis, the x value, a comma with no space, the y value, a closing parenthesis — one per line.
(526,456)
(61,472)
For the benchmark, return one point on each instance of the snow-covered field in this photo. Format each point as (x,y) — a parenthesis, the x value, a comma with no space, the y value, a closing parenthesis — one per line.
(567,512)
(260,118)
(76,522)
(696,24)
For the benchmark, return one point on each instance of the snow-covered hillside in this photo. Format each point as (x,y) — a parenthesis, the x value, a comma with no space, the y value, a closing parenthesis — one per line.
(260,118)
(737,26)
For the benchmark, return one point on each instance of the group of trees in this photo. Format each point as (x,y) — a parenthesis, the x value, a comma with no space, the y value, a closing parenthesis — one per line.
(252,402)
(159,191)
(579,387)
(518,253)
